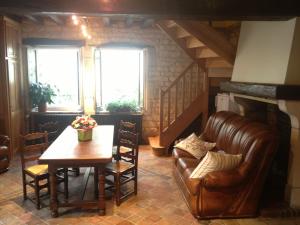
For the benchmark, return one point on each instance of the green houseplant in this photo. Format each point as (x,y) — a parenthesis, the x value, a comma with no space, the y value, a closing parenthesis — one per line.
(40,95)
(122,106)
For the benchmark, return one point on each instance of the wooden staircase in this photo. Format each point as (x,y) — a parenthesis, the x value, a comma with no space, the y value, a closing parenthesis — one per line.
(184,100)
(201,42)
(187,96)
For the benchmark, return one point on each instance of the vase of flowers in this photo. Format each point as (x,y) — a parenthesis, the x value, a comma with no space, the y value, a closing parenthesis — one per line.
(84,126)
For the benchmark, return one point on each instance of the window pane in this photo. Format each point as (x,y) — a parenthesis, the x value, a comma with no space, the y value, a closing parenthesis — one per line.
(31,66)
(59,68)
(120,71)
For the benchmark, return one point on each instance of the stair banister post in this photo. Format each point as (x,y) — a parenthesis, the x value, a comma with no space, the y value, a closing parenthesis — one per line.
(161,112)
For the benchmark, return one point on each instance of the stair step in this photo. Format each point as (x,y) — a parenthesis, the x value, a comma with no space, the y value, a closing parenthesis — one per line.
(205,53)
(181,33)
(192,42)
(157,149)
(217,63)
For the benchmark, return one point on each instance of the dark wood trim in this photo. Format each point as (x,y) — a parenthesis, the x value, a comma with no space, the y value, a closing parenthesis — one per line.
(273,91)
(52,42)
(176,9)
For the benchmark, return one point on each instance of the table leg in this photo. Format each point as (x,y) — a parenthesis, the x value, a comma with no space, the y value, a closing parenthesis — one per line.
(53,191)
(101,185)
(96,182)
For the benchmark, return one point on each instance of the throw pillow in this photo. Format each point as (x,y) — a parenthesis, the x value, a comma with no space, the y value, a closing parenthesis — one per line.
(214,161)
(193,145)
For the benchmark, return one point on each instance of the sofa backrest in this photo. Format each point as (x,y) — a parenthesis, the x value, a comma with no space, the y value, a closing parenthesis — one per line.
(235,134)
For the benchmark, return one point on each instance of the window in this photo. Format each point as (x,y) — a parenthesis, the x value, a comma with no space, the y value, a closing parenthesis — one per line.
(119,76)
(58,67)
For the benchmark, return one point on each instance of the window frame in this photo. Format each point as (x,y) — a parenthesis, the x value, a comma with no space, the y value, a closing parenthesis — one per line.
(75,108)
(142,74)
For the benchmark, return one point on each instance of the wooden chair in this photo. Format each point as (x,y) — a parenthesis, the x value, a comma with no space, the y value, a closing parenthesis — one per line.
(4,153)
(123,151)
(33,145)
(123,171)
(52,129)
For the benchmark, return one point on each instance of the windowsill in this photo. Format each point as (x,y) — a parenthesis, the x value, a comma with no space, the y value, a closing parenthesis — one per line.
(49,111)
(76,112)
(118,113)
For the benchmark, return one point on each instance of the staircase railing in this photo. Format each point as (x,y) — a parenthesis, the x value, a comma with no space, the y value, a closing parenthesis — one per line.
(186,88)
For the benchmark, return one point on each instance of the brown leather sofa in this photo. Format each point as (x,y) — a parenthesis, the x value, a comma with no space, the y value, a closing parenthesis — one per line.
(4,153)
(231,193)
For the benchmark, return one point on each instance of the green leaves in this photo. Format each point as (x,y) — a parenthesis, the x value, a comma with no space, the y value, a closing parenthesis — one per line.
(122,106)
(41,93)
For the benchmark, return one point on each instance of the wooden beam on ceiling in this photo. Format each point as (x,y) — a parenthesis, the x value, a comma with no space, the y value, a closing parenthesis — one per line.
(106,21)
(129,21)
(176,9)
(34,19)
(57,19)
(147,23)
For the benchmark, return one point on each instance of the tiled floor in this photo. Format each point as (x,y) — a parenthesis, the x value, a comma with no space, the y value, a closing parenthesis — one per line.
(158,202)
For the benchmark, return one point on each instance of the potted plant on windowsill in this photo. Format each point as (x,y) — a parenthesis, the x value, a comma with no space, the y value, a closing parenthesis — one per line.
(40,95)
(122,107)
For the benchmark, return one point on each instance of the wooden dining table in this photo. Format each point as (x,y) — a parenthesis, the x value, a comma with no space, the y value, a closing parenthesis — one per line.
(67,151)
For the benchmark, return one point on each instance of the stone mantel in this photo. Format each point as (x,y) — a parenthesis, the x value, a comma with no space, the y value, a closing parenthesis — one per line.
(272,91)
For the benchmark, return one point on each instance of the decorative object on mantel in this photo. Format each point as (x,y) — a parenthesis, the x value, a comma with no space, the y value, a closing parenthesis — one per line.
(121,106)
(84,126)
(40,95)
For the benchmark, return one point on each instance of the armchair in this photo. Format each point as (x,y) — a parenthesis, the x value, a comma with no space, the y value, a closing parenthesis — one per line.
(4,153)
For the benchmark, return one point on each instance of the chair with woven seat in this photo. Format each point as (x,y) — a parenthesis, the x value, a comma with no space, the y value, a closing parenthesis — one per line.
(122,171)
(123,151)
(4,153)
(33,145)
(52,129)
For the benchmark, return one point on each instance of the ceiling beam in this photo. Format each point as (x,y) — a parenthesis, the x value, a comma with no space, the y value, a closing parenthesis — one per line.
(57,19)
(34,19)
(176,9)
(147,23)
(129,21)
(106,21)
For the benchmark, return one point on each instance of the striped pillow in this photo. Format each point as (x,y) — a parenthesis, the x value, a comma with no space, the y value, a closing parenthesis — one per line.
(195,146)
(214,161)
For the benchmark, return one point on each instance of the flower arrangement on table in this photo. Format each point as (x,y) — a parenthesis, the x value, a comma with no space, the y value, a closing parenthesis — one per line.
(84,126)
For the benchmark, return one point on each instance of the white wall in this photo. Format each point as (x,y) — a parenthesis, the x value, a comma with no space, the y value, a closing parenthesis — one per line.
(264,50)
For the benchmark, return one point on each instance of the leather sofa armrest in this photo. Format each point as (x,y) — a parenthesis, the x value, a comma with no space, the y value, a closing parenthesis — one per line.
(223,179)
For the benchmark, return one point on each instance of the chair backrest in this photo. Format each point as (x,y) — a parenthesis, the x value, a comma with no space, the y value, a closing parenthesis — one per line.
(127,126)
(33,145)
(129,140)
(4,140)
(51,128)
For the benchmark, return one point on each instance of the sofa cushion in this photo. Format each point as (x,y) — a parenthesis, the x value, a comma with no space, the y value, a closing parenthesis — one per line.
(178,153)
(184,163)
(214,161)
(195,146)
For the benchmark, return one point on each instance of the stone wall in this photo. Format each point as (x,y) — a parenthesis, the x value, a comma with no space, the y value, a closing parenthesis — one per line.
(166,63)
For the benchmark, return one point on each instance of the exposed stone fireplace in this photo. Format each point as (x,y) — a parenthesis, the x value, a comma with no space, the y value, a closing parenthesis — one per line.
(266,86)
(281,182)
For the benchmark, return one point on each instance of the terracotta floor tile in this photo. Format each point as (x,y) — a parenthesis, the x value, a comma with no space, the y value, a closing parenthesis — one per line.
(158,202)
